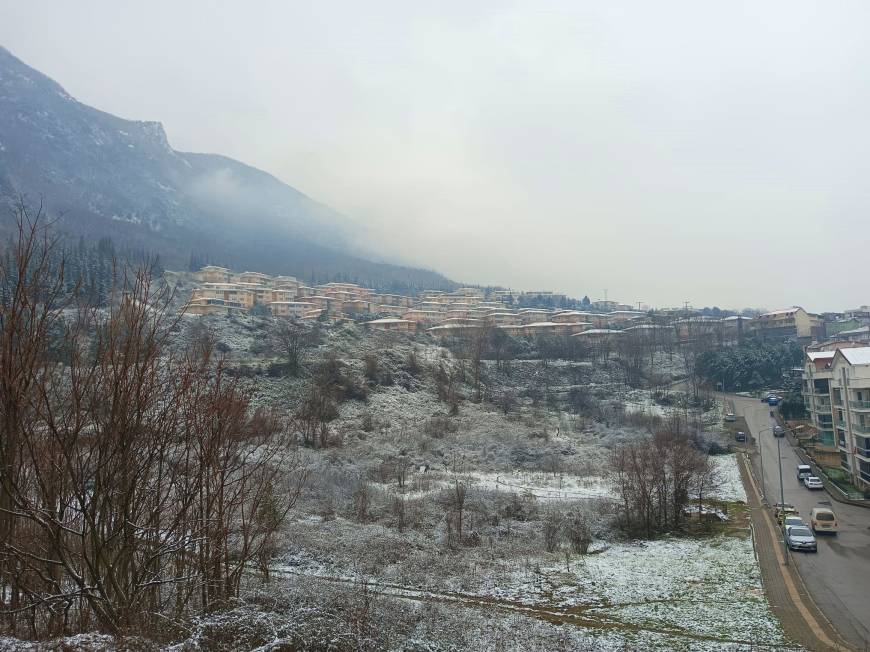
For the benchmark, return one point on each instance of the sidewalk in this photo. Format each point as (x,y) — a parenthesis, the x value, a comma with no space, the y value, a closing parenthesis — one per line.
(801,620)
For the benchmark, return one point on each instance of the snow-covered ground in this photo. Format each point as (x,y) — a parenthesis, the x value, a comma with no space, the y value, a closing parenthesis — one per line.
(672,594)
(731,486)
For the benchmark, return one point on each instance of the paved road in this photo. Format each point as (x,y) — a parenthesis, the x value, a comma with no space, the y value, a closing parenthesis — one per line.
(838,576)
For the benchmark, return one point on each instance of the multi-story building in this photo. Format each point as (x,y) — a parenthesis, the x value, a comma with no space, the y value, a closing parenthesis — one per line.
(254,278)
(215,274)
(296,309)
(837,392)
(817,378)
(791,324)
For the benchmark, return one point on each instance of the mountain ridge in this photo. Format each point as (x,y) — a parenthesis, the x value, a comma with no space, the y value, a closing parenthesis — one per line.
(109,176)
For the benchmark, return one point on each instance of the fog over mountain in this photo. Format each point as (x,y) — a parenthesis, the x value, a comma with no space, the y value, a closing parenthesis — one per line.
(121,178)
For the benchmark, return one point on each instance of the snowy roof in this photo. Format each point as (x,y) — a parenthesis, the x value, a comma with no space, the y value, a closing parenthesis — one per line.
(784,311)
(450,327)
(856,331)
(820,355)
(858,355)
(599,331)
(647,327)
(389,320)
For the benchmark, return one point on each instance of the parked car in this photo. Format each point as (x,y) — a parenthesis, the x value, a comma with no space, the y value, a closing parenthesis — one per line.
(823,519)
(803,471)
(793,520)
(778,431)
(730,416)
(740,436)
(812,482)
(773,400)
(799,537)
(781,510)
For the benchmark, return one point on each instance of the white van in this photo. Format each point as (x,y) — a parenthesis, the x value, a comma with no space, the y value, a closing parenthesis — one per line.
(823,519)
(803,471)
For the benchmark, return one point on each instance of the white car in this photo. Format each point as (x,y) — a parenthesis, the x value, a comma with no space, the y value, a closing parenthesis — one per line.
(730,416)
(812,482)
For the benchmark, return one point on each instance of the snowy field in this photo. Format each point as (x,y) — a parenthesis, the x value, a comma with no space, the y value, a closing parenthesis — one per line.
(672,594)
(731,486)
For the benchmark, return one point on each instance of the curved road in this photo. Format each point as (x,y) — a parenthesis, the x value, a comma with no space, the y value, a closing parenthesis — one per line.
(838,576)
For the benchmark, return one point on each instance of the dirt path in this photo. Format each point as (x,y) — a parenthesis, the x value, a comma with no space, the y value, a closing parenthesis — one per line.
(801,619)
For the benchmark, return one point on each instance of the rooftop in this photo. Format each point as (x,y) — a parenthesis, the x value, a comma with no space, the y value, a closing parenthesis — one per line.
(858,355)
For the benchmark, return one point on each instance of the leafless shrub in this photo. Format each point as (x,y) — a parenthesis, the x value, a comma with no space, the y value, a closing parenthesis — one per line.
(578,533)
(438,426)
(551,528)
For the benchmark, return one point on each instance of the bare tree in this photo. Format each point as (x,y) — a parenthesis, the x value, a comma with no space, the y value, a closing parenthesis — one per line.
(290,337)
(138,485)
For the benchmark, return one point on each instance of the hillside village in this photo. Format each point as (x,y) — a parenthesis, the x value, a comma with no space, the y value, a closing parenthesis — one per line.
(222,291)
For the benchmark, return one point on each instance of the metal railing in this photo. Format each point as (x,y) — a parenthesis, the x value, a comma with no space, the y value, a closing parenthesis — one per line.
(860,405)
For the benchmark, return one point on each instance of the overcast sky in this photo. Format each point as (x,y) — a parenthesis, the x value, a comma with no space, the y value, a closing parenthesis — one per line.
(710,152)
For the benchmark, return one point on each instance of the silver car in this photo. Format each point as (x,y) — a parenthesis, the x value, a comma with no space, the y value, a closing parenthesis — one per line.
(812,482)
(799,537)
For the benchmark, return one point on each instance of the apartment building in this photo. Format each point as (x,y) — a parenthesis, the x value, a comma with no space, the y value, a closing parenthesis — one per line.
(215,274)
(255,278)
(791,324)
(227,292)
(297,309)
(817,379)
(392,324)
(212,306)
(837,394)
(531,315)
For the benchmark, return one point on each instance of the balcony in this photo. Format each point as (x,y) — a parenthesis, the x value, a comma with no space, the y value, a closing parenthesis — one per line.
(826,436)
(841,425)
(823,405)
(863,452)
(837,400)
(860,405)
(863,428)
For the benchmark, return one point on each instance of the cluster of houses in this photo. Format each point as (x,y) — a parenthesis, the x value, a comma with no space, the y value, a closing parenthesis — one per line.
(222,291)
(465,310)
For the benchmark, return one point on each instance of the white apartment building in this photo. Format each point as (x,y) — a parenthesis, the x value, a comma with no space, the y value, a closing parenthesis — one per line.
(837,392)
